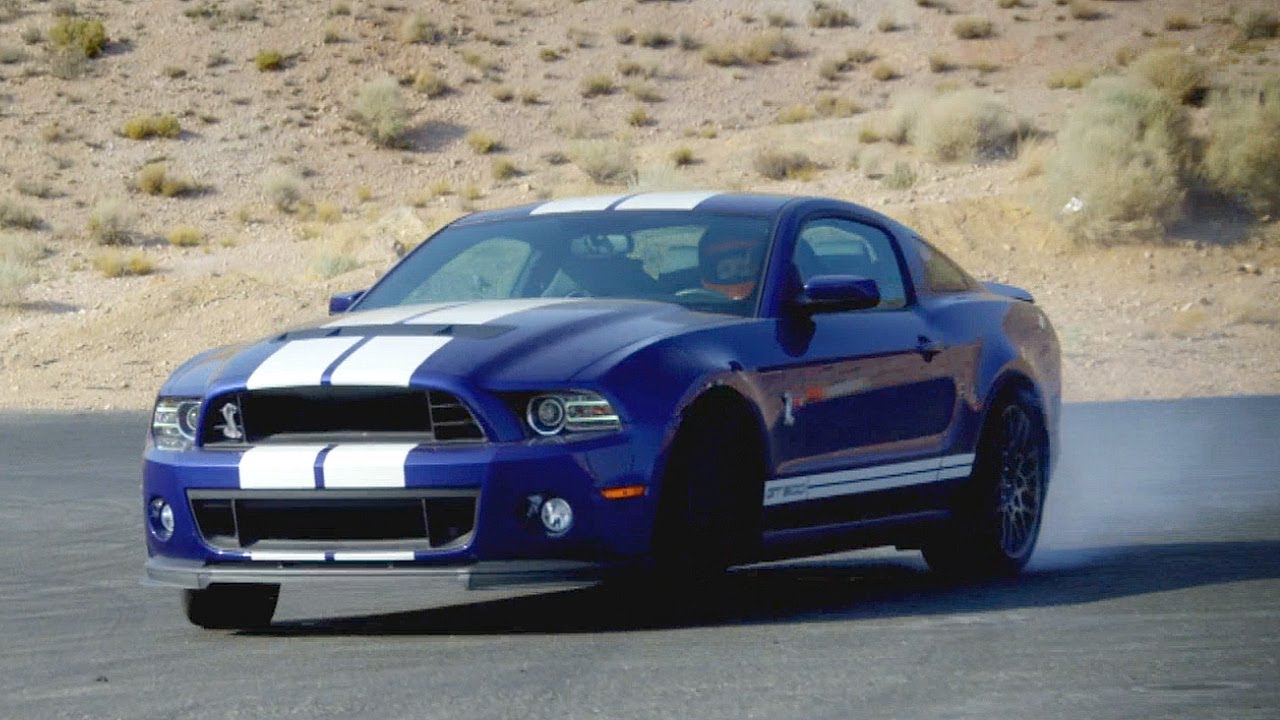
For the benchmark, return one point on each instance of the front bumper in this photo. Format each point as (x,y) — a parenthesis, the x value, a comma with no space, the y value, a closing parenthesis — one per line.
(506,546)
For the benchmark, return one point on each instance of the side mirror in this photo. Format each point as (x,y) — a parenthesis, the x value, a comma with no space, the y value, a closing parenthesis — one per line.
(339,304)
(836,293)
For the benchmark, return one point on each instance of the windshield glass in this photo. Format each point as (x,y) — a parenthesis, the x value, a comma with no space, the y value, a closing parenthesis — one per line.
(702,261)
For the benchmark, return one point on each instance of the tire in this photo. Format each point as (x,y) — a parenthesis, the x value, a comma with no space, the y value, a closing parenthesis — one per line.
(231,607)
(710,509)
(997,520)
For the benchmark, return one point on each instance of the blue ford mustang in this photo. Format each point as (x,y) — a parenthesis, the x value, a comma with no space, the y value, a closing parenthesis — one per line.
(659,384)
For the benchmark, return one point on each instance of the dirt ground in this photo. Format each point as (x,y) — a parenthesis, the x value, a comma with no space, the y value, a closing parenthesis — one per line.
(1195,314)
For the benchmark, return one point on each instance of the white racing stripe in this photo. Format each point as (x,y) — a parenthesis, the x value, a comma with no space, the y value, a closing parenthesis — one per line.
(580,204)
(299,362)
(387,361)
(863,480)
(665,201)
(282,467)
(374,556)
(366,466)
(286,555)
(484,311)
(384,316)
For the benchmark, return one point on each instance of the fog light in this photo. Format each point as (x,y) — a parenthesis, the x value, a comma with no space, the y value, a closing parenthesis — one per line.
(557,516)
(160,515)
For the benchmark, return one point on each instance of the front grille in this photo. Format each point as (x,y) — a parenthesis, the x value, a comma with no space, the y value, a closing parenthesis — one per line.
(338,414)
(332,519)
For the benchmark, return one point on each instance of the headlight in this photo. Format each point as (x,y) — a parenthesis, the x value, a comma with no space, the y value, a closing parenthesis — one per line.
(574,411)
(174,423)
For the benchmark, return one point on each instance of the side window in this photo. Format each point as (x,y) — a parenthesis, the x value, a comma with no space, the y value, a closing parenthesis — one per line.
(832,246)
(487,270)
(941,274)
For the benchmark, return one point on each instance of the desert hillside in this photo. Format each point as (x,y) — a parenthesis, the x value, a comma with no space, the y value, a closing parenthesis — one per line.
(176,174)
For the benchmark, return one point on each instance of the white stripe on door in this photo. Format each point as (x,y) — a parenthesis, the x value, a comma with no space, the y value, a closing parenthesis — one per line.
(800,488)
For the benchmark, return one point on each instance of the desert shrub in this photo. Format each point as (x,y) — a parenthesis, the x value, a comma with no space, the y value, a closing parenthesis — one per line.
(111,223)
(782,164)
(1181,76)
(859,55)
(36,189)
(328,212)
(529,96)
(145,127)
(1121,155)
(381,111)
(769,46)
(683,156)
(1072,78)
(502,93)
(1084,10)
(624,35)
(12,55)
(154,179)
(644,92)
(888,23)
(967,125)
(654,39)
(973,28)
(330,264)
(503,169)
(114,264)
(794,114)
(604,161)
(16,215)
(825,15)
(868,134)
(1258,24)
(688,42)
(430,84)
(1177,22)
(639,117)
(10,9)
(283,189)
(416,28)
(548,54)
(1242,155)
(721,55)
(595,85)
(835,106)
(15,278)
(88,36)
(903,114)
(884,72)
(20,249)
(901,177)
(184,236)
(940,63)
(777,20)
(482,143)
(268,60)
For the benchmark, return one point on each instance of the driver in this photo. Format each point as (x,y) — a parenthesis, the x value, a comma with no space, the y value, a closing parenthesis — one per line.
(730,263)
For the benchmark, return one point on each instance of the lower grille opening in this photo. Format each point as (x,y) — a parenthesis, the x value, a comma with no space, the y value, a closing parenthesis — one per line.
(421,520)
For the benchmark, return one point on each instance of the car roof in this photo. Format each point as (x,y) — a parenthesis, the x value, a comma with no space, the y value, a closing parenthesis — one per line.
(702,201)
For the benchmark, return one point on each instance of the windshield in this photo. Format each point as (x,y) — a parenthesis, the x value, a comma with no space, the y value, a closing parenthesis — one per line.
(702,261)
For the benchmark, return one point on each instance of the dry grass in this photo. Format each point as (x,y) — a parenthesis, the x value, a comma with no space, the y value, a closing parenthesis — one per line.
(639,117)
(1084,10)
(381,111)
(884,72)
(825,15)
(1121,155)
(268,60)
(901,177)
(794,114)
(683,156)
(111,223)
(968,125)
(417,28)
(154,179)
(1258,24)
(185,236)
(973,28)
(605,161)
(332,263)
(596,85)
(145,127)
(644,92)
(770,46)
(17,215)
(1242,154)
(940,63)
(81,34)
(503,169)
(114,264)
(1074,77)
(18,256)
(1249,309)
(835,106)
(783,164)
(429,83)
(282,188)
(1178,22)
(482,143)
(1183,77)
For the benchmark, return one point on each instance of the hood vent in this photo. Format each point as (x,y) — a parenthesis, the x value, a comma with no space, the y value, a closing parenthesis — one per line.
(338,414)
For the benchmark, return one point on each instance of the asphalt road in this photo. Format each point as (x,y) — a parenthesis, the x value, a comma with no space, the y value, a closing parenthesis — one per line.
(1155,594)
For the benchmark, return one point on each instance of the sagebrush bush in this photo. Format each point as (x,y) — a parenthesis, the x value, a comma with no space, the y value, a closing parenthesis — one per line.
(903,114)
(330,264)
(111,223)
(430,84)
(1072,78)
(769,46)
(782,164)
(644,92)
(835,106)
(114,264)
(604,161)
(967,125)
(1258,24)
(884,72)
(639,117)
(721,55)
(973,28)
(382,113)
(901,177)
(503,169)
(283,189)
(1084,10)
(417,28)
(18,255)
(1182,76)
(825,15)
(482,143)
(794,114)
(154,179)
(87,36)
(654,39)
(184,236)
(683,156)
(1122,154)
(1242,154)
(596,85)
(16,215)
(1177,22)
(268,60)
(145,127)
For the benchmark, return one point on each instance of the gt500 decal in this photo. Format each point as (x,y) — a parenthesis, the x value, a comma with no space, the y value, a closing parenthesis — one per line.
(863,480)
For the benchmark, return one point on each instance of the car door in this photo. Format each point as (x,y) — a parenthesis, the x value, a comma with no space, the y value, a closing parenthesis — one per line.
(865,407)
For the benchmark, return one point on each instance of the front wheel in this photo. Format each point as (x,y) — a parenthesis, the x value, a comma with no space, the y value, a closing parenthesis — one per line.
(997,521)
(231,607)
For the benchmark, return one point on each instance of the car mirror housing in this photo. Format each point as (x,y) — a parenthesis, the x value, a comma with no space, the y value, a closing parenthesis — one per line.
(342,302)
(836,293)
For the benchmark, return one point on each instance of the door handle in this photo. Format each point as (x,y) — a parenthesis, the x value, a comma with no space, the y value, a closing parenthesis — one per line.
(929,348)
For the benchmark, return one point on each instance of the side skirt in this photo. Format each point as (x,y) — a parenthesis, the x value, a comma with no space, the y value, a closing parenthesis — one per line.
(903,530)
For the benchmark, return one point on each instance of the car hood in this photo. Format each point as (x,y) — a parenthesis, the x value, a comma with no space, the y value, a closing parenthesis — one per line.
(498,344)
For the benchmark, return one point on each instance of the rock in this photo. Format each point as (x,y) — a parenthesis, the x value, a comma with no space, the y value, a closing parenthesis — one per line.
(1249,268)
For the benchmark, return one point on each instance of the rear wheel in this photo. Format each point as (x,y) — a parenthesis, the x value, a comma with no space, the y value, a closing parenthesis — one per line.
(997,521)
(709,511)
(231,607)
